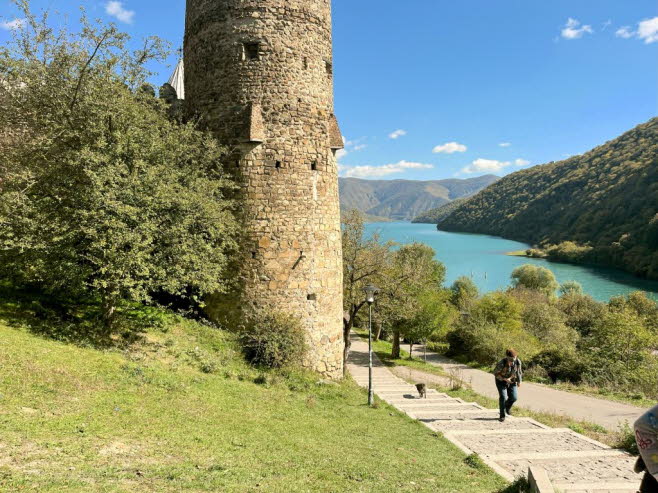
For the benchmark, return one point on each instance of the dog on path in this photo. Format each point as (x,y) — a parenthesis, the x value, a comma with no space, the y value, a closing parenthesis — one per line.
(422,390)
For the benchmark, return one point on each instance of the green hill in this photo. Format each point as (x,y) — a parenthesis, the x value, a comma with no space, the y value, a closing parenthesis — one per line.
(436,216)
(179,410)
(600,207)
(402,200)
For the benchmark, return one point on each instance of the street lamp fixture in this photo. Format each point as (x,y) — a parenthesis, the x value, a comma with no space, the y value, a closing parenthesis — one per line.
(370,291)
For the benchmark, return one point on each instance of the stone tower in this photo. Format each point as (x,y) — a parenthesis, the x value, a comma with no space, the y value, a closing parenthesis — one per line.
(259,74)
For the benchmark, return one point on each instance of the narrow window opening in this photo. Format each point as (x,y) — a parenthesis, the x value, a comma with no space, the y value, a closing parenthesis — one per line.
(330,68)
(305,63)
(253,254)
(251,51)
(314,166)
(312,297)
(277,165)
(237,163)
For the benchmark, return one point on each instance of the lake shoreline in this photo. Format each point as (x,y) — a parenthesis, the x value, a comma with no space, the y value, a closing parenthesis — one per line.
(489,260)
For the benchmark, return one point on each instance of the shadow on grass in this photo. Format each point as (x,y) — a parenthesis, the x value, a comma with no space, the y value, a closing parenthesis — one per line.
(75,321)
(521,485)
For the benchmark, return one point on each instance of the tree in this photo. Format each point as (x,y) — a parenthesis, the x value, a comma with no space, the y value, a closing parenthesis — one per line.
(582,312)
(413,272)
(620,340)
(103,195)
(533,277)
(464,293)
(547,323)
(639,303)
(571,287)
(493,325)
(365,261)
(431,313)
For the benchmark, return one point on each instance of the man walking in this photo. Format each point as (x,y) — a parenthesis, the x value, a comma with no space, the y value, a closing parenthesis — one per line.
(508,373)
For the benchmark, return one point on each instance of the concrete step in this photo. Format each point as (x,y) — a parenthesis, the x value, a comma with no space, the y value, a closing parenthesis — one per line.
(429,417)
(445,426)
(528,442)
(583,473)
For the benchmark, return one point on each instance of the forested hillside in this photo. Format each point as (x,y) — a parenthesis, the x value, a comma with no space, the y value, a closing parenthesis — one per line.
(600,207)
(402,200)
(438,215)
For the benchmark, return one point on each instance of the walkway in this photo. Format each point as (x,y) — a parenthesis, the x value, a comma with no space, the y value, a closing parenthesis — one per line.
(541,398)
(574,463)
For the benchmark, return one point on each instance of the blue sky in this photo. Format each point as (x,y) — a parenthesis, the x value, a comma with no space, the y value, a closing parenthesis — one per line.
(442,88)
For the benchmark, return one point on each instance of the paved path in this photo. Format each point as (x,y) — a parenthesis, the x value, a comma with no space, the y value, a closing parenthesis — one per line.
(573,462)
(536,397)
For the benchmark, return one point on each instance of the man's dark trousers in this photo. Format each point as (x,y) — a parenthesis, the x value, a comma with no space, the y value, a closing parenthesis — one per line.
(508,395)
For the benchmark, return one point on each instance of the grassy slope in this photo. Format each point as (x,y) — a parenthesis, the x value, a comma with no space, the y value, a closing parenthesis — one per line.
(149,419)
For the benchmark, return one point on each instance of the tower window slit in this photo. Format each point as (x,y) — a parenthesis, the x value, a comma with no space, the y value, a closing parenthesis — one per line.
(251,51)
(314,166)
(312,297)
(277,165)
(330,68)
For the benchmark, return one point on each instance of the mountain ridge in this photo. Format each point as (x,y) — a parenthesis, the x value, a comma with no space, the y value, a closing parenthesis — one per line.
(600,207)
(403,200)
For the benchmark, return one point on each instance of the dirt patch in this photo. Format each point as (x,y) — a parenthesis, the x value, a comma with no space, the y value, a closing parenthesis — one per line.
(119,449)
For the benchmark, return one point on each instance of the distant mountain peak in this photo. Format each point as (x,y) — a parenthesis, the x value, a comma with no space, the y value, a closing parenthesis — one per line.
(401,199)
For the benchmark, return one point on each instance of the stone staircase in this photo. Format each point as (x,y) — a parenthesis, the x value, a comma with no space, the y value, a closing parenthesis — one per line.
(572,462)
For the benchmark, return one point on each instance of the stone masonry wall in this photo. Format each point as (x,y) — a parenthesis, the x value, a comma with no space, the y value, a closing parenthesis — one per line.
(259,75)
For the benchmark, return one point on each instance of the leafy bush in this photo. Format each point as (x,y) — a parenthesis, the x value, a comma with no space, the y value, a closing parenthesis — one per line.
(571,287)
(557,365)
(533,277)
(463,293)
(582,312)
(274,340)
(103,196)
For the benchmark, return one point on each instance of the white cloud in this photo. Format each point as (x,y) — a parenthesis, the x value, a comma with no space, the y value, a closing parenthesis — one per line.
(573,29)
(491,165)
(624,32)
(115,9)
(11,25)
(450,148)
(385,170)
(397,134)
(350,146)
(505,144)
(648,30)
(341,153)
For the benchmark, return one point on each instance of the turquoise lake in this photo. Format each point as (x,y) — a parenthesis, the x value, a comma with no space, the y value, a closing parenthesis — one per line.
(484,259)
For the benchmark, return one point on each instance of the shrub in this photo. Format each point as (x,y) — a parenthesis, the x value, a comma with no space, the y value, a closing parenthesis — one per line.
(274,340)
(104,196)
(547,324)
(463,293)
(571,287)
(533,277)
(557,365)
(582,312)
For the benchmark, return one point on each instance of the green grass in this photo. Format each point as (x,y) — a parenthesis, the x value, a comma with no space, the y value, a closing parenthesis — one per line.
(179,410)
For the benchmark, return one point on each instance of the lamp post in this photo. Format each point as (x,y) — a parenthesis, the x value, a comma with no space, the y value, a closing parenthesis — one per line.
(370,291)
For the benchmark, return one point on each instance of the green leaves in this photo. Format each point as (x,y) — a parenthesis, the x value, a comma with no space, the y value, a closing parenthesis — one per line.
(101,192)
